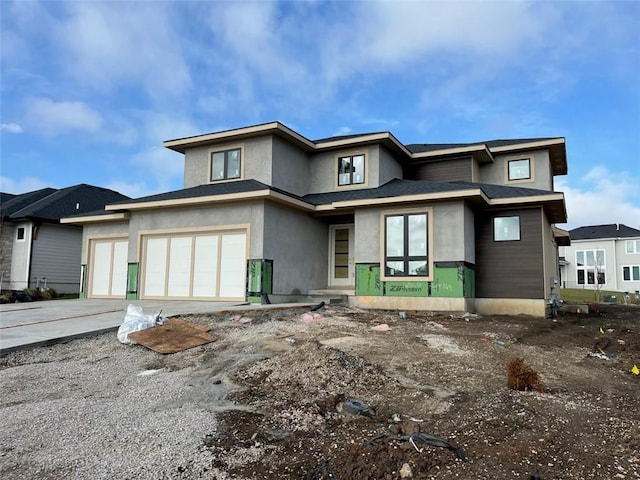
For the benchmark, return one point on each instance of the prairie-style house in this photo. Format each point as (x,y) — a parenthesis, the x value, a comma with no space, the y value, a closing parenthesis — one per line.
(265,214)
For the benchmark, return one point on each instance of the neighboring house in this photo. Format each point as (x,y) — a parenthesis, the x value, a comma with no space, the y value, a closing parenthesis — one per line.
(264,210)
(36,250)
(602,256)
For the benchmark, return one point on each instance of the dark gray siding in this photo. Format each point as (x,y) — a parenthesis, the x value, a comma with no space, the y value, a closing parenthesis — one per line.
(510,269)
(454,170)
(7,235)
(56,256)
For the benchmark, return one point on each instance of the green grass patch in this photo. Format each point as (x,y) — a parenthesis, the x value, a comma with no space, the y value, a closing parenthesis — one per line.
(583,295)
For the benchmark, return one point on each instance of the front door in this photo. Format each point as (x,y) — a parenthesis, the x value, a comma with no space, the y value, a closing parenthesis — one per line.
(341,261)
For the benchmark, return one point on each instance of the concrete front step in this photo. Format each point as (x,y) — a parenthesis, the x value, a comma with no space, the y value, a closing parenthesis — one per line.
(329,296)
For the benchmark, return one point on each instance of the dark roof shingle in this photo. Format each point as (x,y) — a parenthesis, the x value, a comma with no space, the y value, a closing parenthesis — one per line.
(431,147)
(612,230)
(51,205)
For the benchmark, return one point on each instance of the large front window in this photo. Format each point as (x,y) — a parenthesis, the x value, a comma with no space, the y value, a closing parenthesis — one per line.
(406,245)
(225,165)
(590,267)
(351,170)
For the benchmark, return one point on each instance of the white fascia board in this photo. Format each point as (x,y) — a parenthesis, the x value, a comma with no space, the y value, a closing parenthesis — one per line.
(110,217)
(529,145)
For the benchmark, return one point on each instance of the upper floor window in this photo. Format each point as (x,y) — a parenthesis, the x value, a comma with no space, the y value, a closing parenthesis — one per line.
(225,165)
(633,246)
(406,245)
(20,234)
(351,170)
(506,229)
(519,169)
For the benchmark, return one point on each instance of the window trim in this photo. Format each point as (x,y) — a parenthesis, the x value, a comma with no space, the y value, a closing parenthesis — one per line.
(383,245)
(631,270)
(515,158)
(24,234)
(493,228)
(336,171)
(227,148)
(635,249)
(587,269)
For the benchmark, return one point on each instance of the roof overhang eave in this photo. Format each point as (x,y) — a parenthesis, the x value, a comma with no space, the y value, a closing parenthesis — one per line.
(557,152)
(385,138)
(214,199)
(479,152)
(553,203)
(181,145)
(563,238)
(422,197)
(109,217)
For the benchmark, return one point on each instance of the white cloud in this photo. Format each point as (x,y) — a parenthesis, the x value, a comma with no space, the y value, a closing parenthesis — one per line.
(111,44)
(11,128)
(161,169)
(602,197)
(53,117)
(22,185)
(399,32)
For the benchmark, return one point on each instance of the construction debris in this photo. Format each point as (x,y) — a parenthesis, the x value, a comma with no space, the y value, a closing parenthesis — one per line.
(173,336)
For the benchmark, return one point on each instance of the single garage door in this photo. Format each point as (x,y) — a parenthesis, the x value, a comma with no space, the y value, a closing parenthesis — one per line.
(206,266)
(108,274)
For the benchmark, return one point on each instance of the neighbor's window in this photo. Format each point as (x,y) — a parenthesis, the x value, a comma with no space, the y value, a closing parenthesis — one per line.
(520,169)
(351,170)
(406,245)
(590,266)
(20,233)
(506,229)
(225,165)
(633,246)
(631,273)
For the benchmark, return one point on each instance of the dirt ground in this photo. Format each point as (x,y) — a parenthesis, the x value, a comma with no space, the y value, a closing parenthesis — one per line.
(326,395)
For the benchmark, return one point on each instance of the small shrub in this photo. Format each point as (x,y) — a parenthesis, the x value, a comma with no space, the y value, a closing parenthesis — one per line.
(521,376)
(34,293)
(48,293)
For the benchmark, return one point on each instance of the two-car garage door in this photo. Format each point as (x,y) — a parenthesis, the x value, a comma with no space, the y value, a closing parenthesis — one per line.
(194,265)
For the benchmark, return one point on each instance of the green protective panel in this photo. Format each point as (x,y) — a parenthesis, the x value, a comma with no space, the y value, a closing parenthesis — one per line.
(368,280)
(447,282)
(469,282)
(455,281)
(83,282)
(259,277)
(132,281)
(406,289)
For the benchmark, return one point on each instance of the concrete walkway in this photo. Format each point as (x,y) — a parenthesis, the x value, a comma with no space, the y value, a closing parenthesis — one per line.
(47,322)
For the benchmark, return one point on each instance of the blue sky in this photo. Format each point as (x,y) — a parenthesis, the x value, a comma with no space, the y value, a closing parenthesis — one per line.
(90,90)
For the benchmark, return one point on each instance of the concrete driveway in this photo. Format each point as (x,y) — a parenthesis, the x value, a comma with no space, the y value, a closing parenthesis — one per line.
(46,322)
